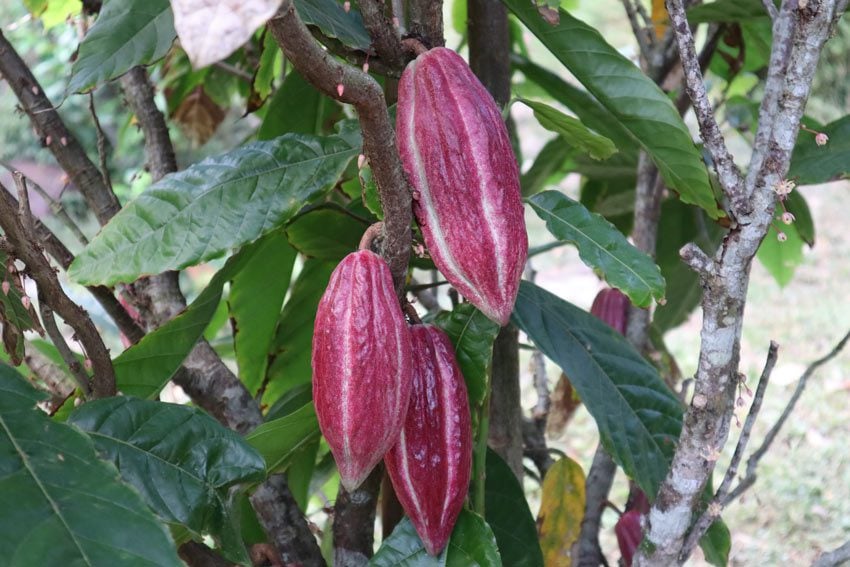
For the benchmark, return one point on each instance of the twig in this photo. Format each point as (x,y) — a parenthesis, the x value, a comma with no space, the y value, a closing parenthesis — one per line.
(598,485)
(646,41)
(771,9)
(754,459)
(101,143)
(833,558)
(351,85)
(719,502)
(24,245)
(727,172)
(384,35)
(233,70)
(74,366)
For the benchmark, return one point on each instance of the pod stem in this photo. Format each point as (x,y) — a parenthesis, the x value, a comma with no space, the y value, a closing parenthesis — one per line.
(479,455)
(370,235)
(414,45)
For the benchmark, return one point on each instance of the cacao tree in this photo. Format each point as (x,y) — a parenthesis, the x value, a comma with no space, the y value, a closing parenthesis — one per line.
(288,245)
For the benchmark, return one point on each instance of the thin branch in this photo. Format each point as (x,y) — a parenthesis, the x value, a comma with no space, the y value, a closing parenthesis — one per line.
(833,558)
(351,85)
(645,40)
(425,21)
(233,70)
(753,462)
(159,151)
(24,246)
(101,143)
(55,135)
(719,502)
(697,260)
(771,9)
(78,372)
(727,172)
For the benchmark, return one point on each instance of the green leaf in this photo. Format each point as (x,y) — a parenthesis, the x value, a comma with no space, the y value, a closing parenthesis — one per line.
(716,544)
(180,459)
(472,544)
(300,473)
(781,258)
(326,232)
(550,166)
(126,33)
(256,296)
(59,503)
(812,164)
(577,134)
(508,515)
(735,11)
(297,107)
(328,16)
(213,206)
(143,369)
(562,506)
(279,439)
(472,335)
(583,105)
(803,221)
(637,102)
(289,357)
(601,246)
(639,419)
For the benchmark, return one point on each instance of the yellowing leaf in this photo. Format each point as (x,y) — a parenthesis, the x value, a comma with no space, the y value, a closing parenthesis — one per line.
(659,17)
(210,30)
(561,512)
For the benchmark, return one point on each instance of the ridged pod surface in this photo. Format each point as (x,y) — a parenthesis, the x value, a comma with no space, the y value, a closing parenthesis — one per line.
(612,306)
(431,464)
(629,534)
(362,365)
(456,152)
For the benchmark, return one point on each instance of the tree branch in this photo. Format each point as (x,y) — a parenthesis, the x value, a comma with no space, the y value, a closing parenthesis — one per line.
(833,558)
(353,513)
(718,503)
(384,35)
(425,20)
(320,69)
(645,40)
(727,172)
(770,7)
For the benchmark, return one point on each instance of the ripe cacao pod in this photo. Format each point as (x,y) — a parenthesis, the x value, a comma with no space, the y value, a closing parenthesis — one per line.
(629,535)
(612,306)
(431,464)
(362,365)
(456,152)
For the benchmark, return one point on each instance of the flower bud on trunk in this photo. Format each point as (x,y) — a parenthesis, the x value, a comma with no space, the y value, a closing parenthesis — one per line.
(457,154)
(361,365)
(431,464)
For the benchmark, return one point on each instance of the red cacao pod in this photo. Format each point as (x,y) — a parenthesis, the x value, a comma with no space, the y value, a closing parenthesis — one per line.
(612,306)
(629,535)
(431,464)
(362,365)
(456,152)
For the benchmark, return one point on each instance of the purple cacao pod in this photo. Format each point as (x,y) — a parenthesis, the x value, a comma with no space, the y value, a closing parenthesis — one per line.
(629,535)
(456,152)
(612,306)
(431,464)
(362,365)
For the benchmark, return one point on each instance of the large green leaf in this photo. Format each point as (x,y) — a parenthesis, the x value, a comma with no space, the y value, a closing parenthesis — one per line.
(329,16)
(549,167)
(736,11)
(59,503)
(572,130)
(213,206)
(256,296)
(508,515)
(781,258)
(327,232)
(601,246)
(639,104)
(811,164)
(638,418)
(126,33)
(297,107)
(472,335)
(472,544)
(143,369)
(279,439)
(180,459)
(289,357)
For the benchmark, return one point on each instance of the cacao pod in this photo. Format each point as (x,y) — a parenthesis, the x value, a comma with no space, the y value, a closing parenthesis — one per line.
(629,534)
(456,152)
(612,306)
(431,464)
(362,365)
